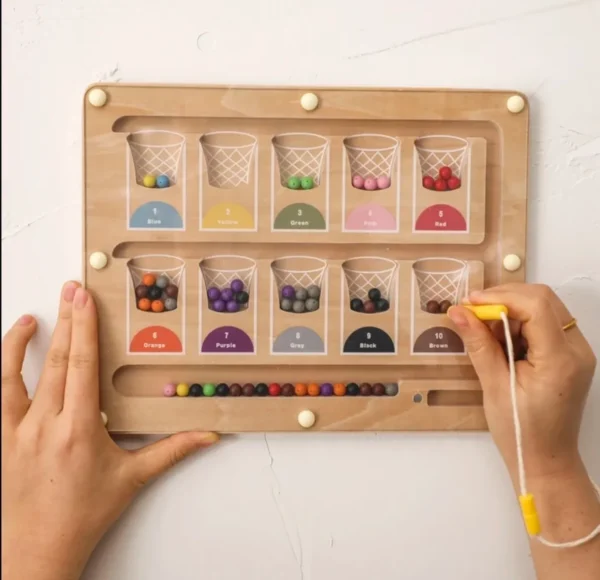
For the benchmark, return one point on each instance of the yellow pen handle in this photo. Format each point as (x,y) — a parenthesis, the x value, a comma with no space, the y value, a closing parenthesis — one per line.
(487,311)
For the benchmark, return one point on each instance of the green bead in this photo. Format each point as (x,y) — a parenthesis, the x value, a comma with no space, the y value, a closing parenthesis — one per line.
(307,183)
(293,183)
(209,389)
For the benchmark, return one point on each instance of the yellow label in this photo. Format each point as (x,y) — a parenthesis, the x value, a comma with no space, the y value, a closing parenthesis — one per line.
(228,216)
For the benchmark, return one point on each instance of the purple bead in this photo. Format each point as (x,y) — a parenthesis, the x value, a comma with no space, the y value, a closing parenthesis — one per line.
(232,306)
(213,294)
(326,389)
(237,286)
(218,306)
(226,294)
(288,292)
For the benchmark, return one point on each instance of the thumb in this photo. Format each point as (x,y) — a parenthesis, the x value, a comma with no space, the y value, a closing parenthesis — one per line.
(155,459)
(483,348)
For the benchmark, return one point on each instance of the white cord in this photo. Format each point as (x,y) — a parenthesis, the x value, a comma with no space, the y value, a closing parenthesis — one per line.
(519,441)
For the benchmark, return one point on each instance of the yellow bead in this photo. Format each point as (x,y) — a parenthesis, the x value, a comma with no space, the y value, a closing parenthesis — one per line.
(183,390)
(149,181)
(487,311)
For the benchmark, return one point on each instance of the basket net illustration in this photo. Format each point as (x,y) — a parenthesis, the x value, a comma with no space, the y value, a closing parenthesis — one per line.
(371,155)
(156,153)
(300,155)
(220,271)
(362,274)
(437,151)
(440,279)
(228,156)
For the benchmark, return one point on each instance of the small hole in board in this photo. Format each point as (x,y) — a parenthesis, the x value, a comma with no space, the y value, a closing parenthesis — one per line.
(417,398)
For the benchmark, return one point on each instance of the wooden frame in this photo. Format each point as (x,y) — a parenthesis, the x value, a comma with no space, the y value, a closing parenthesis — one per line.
(445,386)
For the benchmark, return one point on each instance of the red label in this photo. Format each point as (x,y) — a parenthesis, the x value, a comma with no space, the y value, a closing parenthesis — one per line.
(441,218)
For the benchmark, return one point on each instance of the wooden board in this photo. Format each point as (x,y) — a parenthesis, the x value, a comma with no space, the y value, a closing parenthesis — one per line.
(231,212)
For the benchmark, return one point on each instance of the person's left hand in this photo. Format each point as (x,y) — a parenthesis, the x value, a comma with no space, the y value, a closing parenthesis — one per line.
(64,480)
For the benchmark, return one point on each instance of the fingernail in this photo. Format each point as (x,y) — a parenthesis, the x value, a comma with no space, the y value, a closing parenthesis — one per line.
(81,298)
(25,320)
(476,295)
(458,317)
(207,438)
(69,292)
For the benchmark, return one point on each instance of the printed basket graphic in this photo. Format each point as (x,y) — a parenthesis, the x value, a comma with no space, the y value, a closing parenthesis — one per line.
(365,273)
(156,266)
(301,273)
(221,271)
(155,153)
(300,155)
(371,155)
(228,156)
(437,151)
(440,279)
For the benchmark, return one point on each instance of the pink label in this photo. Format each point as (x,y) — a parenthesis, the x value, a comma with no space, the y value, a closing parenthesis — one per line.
(371,217)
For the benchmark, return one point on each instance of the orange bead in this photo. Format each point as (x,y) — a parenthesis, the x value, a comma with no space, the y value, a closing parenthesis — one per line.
(314,390)
(339,389)
(301,390)
(144,304)
(149,279)
(158,306)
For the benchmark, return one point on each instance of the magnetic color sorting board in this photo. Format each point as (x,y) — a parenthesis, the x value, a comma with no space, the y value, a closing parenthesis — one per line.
(231,212)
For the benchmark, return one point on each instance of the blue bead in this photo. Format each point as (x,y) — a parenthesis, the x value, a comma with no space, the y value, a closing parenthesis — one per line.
(162,181)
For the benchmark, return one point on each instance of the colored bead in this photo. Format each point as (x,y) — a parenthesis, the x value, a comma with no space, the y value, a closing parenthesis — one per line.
(382,305)
(428,182)
(356,304)
(242,297)
(301,390)
(293,183)
(286,304)
(374,294)
(232,306)
(261,389)
(445,306)
(235,390)
(288,292)
(314,291)
(148,279)
(213,294)
(274,390)
(314,390)
(311,305)
(157,306)
(445,173)
(378,390)
(195,390)
(154,293)
(169,390)
(383,182)
(366,390)
(237,285)
(227,294)
(369,307)
(170,304)
(162,181)
(454,183)
(162,281)
(144,304)
(432,307)
(172,291)
(326,389)
(370,184)
(209,390)
(391,389)
(141,291)
(287,390)
(301,294)
(358,182)
(352,389)
(339,389)
(440,185)
(307,183)
(248,390)
(149,181)
(183,390)
(219,306)
(298,306)
(222,390)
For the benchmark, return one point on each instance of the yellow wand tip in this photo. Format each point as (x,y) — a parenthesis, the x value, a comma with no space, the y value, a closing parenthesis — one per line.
(487,311)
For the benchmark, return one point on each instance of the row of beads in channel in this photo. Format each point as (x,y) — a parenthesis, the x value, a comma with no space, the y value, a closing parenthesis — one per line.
(277,390)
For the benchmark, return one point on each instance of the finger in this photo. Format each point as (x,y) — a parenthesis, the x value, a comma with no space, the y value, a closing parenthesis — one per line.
(51,389)
(532,306)
(82,386)
(484,350)
(15,401)
(152,461)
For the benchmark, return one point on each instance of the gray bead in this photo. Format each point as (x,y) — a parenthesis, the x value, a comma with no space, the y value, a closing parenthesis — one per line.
(286,304)
(391,389)
(163,281)
(314,291)
(301,294)
(170,304)
(299,306)
(312,305)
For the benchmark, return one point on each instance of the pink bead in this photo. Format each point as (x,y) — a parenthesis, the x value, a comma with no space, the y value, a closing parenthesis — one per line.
(370,183)
(383,182)
(169,390)
(358,182)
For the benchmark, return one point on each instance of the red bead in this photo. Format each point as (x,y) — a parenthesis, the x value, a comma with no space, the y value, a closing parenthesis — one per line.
(446,173)
(274,390)
(428,182)
(441,185)
(453,183)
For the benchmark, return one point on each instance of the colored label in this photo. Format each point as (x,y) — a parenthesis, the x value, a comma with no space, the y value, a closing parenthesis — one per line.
(441,218)
(157,340)
(228,216)
(300,216)
(370,217)
(439,340)
(227,339)
(369,339)
(156,214)
(299,340)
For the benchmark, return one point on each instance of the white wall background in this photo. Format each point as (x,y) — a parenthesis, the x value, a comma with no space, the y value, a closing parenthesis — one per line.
(316,507)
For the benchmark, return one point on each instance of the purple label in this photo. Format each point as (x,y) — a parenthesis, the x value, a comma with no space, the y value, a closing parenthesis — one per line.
(227,339)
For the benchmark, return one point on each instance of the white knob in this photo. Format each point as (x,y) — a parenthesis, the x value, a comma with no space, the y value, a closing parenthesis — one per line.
(98,260)
(515,104)
(97,97)
(306,419)
(309,101)
(511,262)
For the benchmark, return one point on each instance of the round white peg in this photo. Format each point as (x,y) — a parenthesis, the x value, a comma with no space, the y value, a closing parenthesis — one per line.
(309,101)
(511,262)
(97,97)
(306,419)
(98,260)
(515,104)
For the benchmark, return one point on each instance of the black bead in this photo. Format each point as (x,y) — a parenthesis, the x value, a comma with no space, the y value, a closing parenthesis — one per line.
(382,305)
(261,390)
(154,292)
(195,390)
(242,297)
(374,294)
(222,390)
(356,304)
(352,389)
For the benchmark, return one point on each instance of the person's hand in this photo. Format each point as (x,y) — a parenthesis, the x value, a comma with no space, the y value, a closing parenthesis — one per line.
(64,481)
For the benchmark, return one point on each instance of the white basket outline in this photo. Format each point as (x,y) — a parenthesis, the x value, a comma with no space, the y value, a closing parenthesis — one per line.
(371,154)
(228,156)
(300,155)
(286,274)
(222,276)
(440,279)
(365,272)
(437,151)
(155,152)
(173,273)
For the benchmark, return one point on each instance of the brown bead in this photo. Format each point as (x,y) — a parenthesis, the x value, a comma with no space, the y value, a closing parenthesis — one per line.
(378,390)
(366,390)
(369,307)
(248,390)
(172,291)
(288,390)
(235,390)
(445,306)
(141,291)
(433,307)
